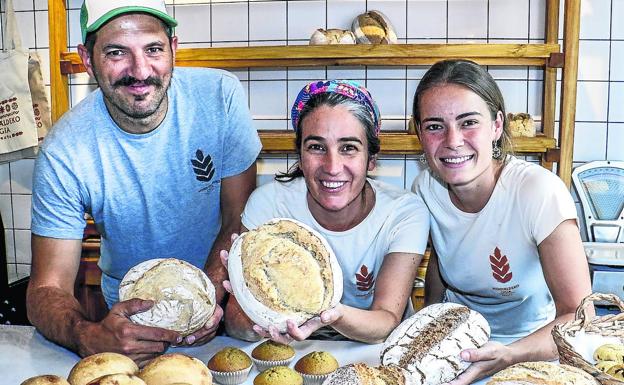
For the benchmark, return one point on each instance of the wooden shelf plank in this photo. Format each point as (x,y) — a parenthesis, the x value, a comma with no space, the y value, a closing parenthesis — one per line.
(397,143)
(359,54)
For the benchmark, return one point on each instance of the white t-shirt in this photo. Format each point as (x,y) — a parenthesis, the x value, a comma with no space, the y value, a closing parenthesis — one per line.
(399,222)
(490,259)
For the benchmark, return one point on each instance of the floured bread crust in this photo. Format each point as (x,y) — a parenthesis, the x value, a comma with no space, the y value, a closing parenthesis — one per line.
(100,364)
(184,297)
(362,374)
(284,270)
(428,343)
(175,368)
(542,373)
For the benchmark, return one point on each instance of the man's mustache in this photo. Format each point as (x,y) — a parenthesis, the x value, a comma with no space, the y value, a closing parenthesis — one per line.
(131,81)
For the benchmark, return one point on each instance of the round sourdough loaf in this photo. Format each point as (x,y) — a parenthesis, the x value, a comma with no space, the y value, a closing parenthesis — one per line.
(428,343)
(100,364)
(174,368)
(184,297)
(46,379)
(360,373)
(284,270)
(541,373)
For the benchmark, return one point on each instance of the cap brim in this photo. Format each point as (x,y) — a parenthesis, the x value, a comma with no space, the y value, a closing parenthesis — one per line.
(170,21)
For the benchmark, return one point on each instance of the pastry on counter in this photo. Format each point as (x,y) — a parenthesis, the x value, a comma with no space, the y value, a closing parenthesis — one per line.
(332,36)
(616,371)
(184,297)
(428,343)
(118,379)
(542,373)
(610,352)
(176,368)
(101,364)
(230,366)
(284,270)
(46,379)
(270,353)
(278,375)
(373,27)
(315,367)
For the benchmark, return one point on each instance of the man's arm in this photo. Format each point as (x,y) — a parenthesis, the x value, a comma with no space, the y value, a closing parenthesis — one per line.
(235,191)
(55,312)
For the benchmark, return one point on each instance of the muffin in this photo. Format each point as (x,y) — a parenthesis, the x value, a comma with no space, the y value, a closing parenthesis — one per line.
(271,353)
(278,375)
(230,366)
(315,367)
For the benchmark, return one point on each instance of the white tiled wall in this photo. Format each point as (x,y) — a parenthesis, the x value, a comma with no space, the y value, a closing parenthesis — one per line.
(600,116)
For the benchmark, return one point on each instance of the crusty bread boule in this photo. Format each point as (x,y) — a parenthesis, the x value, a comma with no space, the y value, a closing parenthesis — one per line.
(100,364)
(373,27)
(46,379)
(184,297)
(541,373)
(332,36)
(176,368)
(428,343)
(118,379)
(284,270)
(360,373)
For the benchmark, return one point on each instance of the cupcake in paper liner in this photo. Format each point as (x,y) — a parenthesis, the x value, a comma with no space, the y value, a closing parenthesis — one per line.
(315,367)
(270,353)
(230,366)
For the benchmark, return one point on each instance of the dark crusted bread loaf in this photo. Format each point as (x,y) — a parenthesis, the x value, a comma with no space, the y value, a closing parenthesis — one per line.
(428,343)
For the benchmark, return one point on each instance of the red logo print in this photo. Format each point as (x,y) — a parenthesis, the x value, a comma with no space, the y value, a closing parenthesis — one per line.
(500,267)
(364,280)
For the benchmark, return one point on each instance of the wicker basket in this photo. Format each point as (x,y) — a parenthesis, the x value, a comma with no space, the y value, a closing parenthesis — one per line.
(608,325)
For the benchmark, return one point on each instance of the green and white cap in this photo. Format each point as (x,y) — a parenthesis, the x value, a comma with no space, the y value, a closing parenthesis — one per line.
(95,13)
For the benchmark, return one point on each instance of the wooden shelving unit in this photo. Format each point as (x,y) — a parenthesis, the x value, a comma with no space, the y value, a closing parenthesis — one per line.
(547,55)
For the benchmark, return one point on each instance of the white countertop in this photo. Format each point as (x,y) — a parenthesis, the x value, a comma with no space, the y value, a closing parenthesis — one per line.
(25,353)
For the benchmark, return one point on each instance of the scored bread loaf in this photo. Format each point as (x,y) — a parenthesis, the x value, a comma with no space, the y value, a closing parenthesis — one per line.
(541,373)
(428,343)
(284,270)
(362,374)
(184,297)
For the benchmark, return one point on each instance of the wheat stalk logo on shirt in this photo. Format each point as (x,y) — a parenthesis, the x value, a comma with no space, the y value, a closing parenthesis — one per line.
(364,280)
(500,267)
(202,167)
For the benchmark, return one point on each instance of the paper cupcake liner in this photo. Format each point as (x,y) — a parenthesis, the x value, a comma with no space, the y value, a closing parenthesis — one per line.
(263,365)
(230,378)
(313,379)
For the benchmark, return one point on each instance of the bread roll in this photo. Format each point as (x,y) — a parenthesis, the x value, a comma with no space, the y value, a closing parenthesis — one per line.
(373,27)
(284,270)
(610,352)
(332,36)
(47,379)
(362,374)
(176,368)
(428,343)
(100,364)
(541,373)
(118,379)
(184,297)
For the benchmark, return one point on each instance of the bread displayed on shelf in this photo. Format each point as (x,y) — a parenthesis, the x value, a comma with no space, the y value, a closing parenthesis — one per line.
(521,124)
(175,368)
(332,36)
(184,297)
(542,373)
(284,270)
(373,27)
(100,364)
(428,343)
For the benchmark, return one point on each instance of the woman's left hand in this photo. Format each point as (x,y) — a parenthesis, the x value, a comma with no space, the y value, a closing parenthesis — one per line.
(300,333)
(487,360)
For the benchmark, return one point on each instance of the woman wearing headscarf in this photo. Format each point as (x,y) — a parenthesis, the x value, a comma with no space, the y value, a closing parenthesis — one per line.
(378,232)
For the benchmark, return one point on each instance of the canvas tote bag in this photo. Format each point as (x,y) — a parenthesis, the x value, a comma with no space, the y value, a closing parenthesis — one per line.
(23,118)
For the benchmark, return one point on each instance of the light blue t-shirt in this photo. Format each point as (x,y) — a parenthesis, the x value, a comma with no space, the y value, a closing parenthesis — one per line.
(153,195)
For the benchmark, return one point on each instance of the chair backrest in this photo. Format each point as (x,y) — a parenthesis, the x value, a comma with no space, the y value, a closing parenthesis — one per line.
(600,187)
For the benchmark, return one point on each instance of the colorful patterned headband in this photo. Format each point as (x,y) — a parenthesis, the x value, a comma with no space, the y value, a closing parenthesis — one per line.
(348,88)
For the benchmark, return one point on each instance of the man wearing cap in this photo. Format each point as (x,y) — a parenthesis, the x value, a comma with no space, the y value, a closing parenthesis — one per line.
(162,159)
